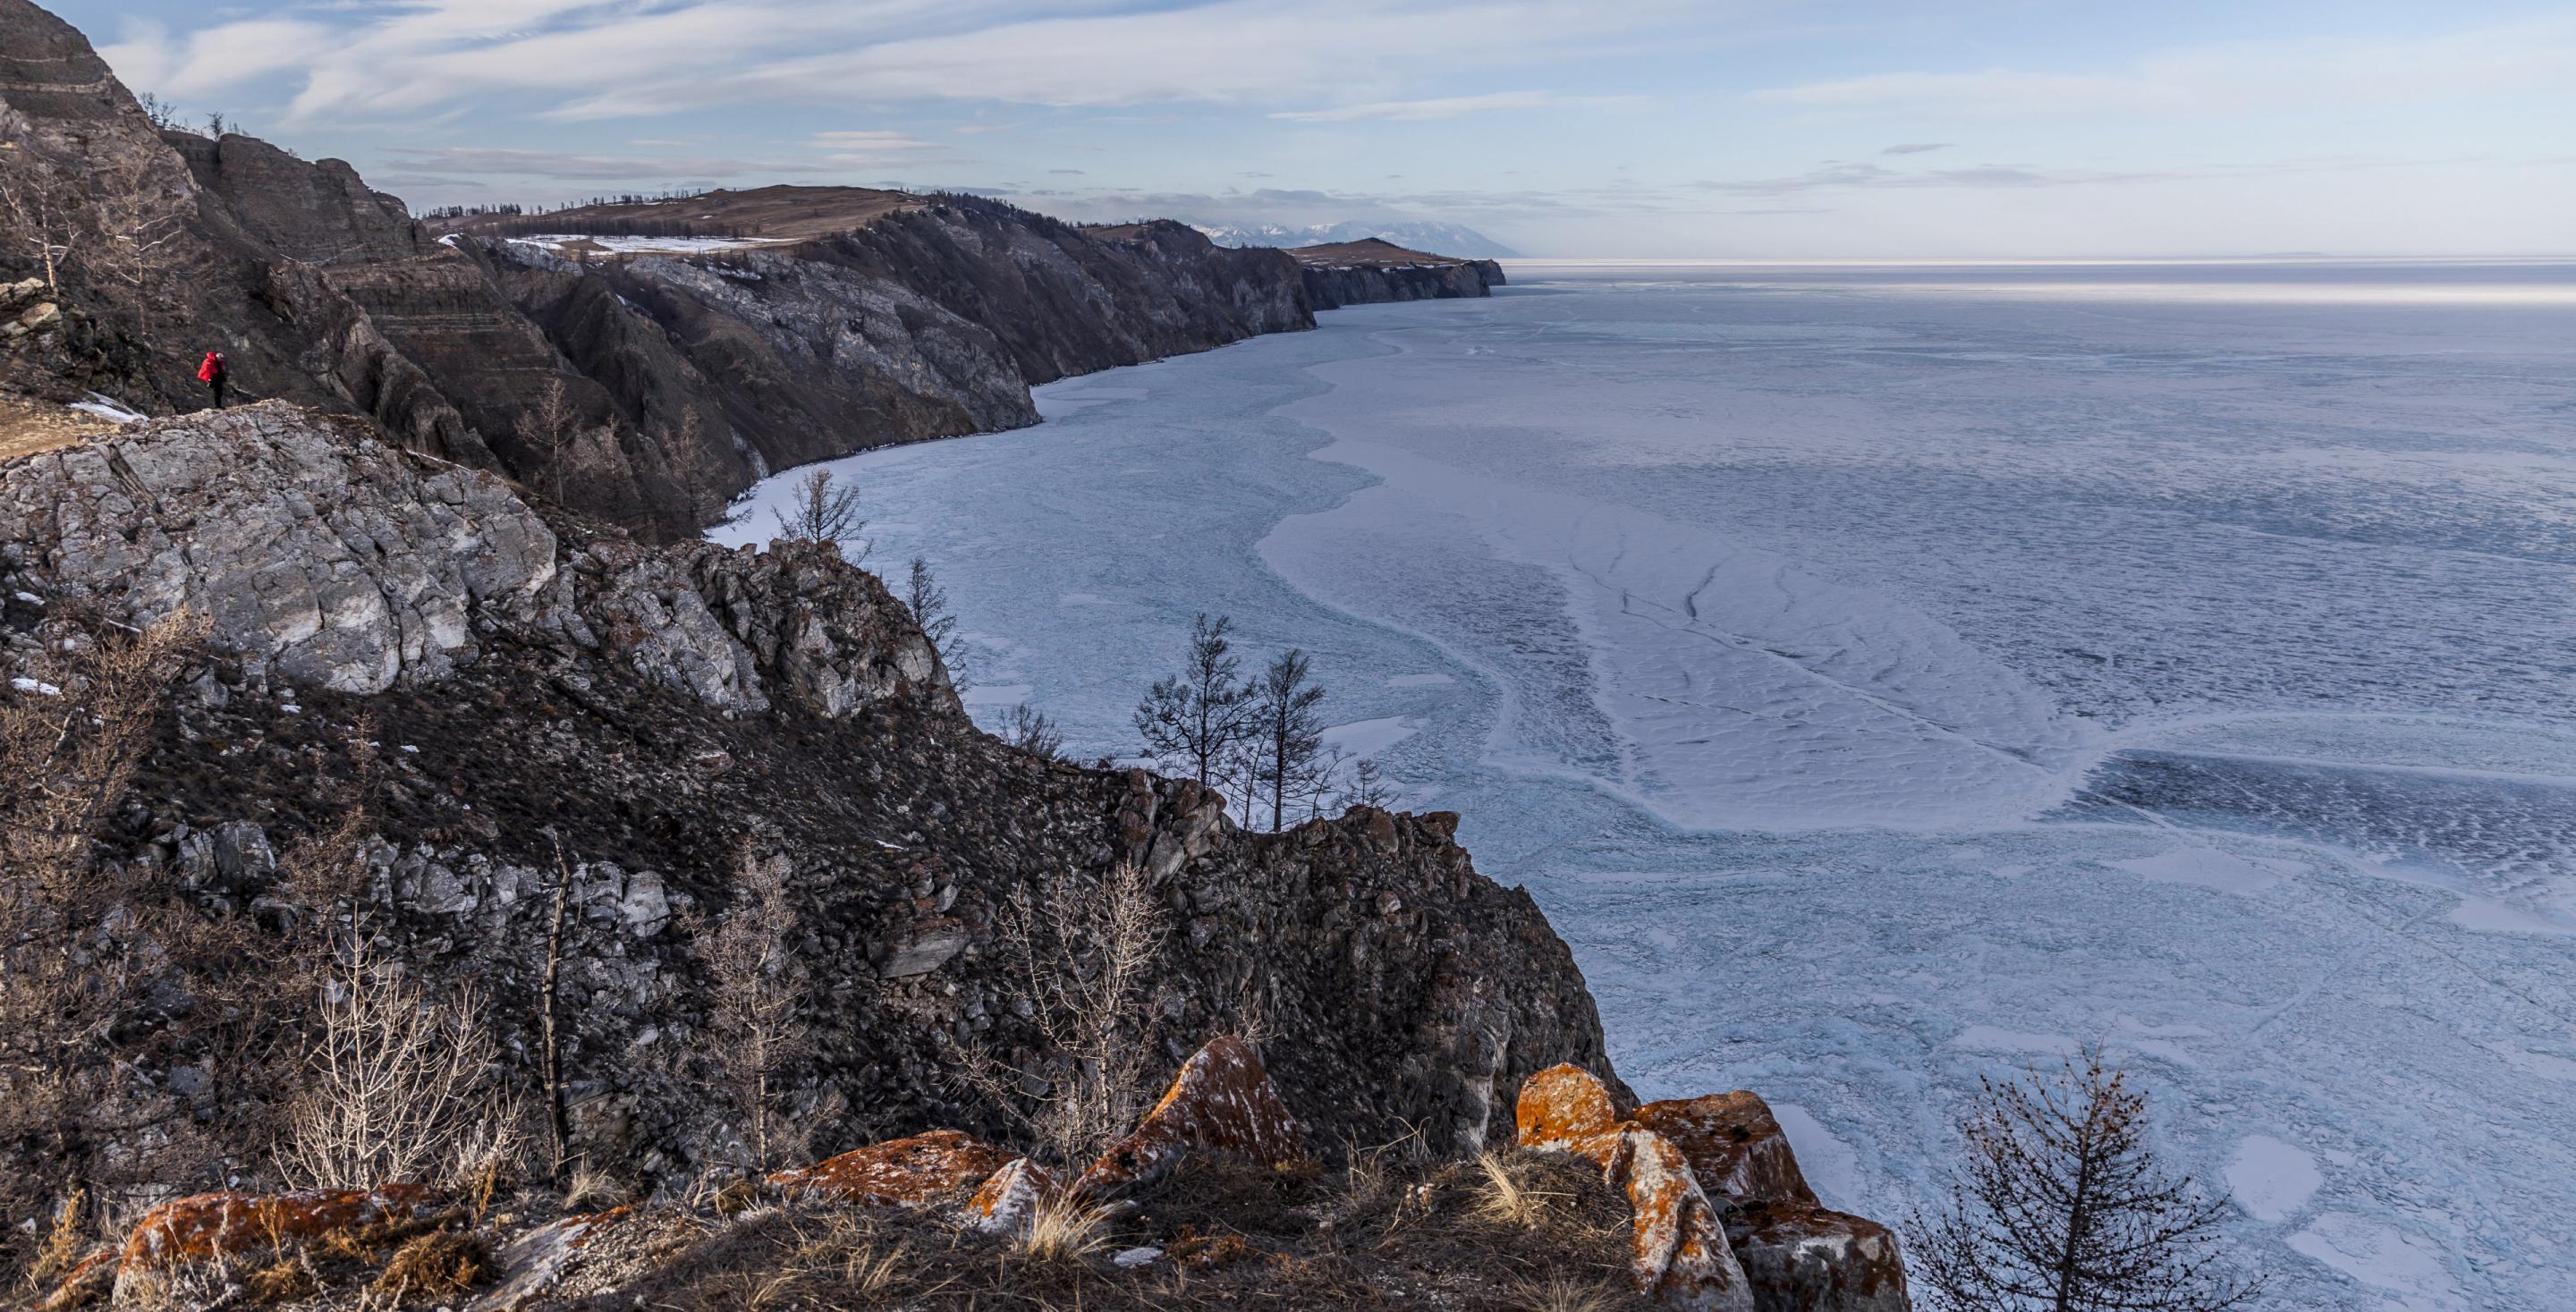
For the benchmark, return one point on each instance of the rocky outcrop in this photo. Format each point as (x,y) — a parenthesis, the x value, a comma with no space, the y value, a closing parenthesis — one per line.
(916,1171)
(1724,1217)
(394,633)
(1374,272)
(209,1227)
(1679,1254)
(1221,1102)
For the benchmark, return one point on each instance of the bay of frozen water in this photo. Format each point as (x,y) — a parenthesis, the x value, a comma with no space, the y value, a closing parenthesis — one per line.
(1887,676)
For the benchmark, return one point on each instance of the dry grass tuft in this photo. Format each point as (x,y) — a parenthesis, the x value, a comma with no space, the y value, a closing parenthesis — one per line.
(589,1189)
(1509,1194)
(1063,1229)
(61,1250)
(436,1265)
(1569,1294)
(284,1282)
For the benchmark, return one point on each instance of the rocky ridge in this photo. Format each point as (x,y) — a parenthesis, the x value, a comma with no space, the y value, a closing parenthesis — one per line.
(690,372)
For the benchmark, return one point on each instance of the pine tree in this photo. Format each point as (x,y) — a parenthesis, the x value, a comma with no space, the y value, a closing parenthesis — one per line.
(2064,1207)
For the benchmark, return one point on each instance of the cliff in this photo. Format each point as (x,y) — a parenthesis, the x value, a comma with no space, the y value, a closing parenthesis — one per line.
(1374,271)
(839,319)
(408,640)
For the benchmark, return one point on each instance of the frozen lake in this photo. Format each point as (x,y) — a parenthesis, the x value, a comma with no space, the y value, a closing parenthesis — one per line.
(1888,675)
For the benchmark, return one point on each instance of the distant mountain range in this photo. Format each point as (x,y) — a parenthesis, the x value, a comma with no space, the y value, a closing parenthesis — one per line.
(1434,238)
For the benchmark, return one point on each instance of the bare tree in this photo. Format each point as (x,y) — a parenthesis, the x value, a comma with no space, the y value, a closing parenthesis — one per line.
(138,220)
(755,999)
(1025,728)
(217,125)
(929,603)
(549,429)
(824,513)
(700,471)
(1079,953)
(2064,1207)
(1368,786)
(1201,713)
(1287,731)
(46,227)
(398,1082)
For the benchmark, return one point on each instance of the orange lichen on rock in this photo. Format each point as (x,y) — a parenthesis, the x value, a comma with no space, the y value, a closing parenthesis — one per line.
(1803,1258)
(914,1172)
(1222,1102)
(88,1283)
(1010,1196)
(210,1225)
(1735,1145)
(1679,1255)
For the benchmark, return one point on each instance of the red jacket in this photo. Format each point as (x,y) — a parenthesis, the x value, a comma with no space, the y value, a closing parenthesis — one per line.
(212,369)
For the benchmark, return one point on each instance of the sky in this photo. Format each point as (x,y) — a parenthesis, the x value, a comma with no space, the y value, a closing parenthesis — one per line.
(1725,129)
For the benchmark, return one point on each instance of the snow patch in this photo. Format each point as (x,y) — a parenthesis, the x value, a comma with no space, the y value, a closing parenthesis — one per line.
(2206,867)
(2377,1253)
(108,408)
(2271,1179)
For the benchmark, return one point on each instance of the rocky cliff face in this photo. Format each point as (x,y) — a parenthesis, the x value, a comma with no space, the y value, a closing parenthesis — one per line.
(1374,271)
(690,376)
(407,639)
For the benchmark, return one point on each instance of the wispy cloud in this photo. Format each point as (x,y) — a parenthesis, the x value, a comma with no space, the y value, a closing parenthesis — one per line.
(1915,147)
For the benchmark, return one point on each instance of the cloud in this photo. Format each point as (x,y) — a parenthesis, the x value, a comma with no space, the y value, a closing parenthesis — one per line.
(1418,110)
(1915,147)
(873,142)
(581,59)
(2237,78)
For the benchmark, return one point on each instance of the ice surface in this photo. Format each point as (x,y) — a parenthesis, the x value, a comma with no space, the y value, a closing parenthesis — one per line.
(2271,1179)
(1887,679)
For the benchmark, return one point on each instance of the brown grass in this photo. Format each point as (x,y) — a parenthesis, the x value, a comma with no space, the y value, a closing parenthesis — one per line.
(436,1265)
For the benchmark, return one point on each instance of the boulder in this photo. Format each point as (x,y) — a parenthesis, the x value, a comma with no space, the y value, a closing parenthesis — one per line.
(1804,1258)
(1009,1197)
(1222,1102)
(1678,1255)
(1735,1145)
(205,1226)
(536,1262)
(914,1172)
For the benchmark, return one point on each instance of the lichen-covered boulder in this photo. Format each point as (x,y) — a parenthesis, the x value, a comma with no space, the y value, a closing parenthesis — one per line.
(1735,1145)
(913,1172)
(1803,1258)
(1679,1255)
(205,1228)
(1008,1198)
(1222,1102)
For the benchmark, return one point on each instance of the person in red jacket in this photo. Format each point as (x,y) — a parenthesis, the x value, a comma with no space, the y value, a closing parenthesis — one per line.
(211,373)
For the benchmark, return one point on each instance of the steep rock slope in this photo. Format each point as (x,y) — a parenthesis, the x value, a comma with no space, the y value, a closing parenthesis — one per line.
(408,640)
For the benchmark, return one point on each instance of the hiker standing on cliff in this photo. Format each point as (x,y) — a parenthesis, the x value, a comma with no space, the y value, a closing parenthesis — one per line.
(211,373)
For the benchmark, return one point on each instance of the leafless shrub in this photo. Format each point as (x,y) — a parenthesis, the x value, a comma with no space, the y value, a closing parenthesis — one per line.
(398,1089)
(929,604)
(2063,1206)
(822,512)
(1032,731)
(44,225)
(1079,954)
(756,1000)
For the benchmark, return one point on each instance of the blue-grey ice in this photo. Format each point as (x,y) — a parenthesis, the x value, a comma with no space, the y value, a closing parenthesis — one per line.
(1885,677)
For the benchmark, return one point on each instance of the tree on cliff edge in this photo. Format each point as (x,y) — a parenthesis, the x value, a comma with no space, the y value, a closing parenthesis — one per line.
(2063,1206)
(1202,713)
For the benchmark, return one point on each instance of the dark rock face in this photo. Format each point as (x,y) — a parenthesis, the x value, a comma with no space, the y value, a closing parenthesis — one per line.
(409,636)
(1330,287)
